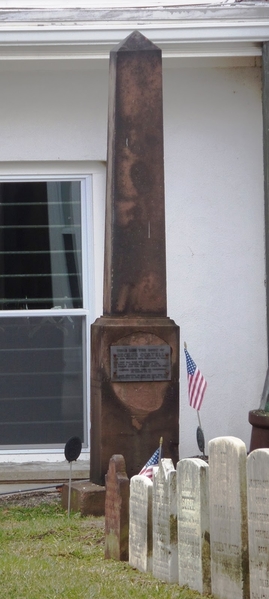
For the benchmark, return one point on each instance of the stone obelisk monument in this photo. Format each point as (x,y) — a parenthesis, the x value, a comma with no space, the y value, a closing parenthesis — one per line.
(135,346)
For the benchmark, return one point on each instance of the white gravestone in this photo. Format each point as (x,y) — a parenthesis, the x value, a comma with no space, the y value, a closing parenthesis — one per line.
(193,525)
(228,518)
(164,516)
(258,522)
(140,523)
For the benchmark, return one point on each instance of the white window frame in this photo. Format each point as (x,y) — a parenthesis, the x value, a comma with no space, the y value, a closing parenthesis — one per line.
(92,178)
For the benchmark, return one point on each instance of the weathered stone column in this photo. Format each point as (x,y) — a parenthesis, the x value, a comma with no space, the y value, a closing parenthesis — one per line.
(135,268)
(135,355)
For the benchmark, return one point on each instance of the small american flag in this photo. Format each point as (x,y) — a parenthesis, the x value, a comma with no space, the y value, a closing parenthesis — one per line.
(196,383)
(147,470)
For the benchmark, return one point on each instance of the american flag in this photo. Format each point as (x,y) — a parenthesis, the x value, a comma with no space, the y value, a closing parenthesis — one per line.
(147,470)
(196,383)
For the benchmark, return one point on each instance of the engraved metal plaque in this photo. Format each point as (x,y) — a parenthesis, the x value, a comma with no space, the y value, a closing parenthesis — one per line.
(140,363)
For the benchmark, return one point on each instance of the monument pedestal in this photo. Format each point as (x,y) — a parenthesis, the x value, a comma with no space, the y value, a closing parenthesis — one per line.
(128,417)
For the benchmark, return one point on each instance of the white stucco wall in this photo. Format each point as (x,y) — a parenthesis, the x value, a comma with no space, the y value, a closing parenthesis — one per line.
(53,113)
(215,242)
(214,211)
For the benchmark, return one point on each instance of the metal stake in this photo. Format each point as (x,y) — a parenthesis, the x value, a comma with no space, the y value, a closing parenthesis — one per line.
(69,489)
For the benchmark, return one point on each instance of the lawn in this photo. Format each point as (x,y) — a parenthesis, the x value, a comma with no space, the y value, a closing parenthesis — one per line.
(45,555)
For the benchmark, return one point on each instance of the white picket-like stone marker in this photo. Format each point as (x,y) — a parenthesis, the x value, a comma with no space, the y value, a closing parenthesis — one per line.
(140,525)
(228,518)
(258,522)
(164,510)
(193,525)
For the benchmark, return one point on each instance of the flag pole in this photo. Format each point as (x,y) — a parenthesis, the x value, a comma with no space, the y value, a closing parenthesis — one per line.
(196,394)
(160,449)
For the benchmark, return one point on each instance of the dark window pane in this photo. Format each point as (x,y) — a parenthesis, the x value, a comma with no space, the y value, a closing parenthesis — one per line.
(40,245)
(41,380)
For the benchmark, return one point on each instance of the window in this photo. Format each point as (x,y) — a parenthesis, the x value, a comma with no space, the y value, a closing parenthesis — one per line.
(43,312)
(40,245)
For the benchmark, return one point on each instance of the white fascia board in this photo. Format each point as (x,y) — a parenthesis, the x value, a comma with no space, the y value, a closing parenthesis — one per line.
(104,4)
(79,34)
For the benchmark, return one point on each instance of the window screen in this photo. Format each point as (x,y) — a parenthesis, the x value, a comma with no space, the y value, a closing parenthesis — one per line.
(42,356)
(41,378)
(40,245)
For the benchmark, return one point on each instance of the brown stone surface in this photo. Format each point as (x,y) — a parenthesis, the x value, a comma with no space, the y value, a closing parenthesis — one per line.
(127,417)
(86,498)
(259,419)
(117,510)
(135,267)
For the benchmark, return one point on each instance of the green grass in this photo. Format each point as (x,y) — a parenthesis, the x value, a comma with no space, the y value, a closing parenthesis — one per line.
(45,555)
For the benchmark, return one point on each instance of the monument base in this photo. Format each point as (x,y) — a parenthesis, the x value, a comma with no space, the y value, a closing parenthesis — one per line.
(86,498)
(128,417)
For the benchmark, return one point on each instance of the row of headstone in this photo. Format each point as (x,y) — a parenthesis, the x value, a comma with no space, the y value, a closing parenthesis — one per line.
(173,512)
(203,526)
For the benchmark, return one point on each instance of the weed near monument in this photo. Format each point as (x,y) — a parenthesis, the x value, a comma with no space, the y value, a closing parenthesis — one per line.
(43,554)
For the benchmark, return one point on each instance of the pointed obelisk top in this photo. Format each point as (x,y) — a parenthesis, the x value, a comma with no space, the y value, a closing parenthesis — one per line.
(135,42)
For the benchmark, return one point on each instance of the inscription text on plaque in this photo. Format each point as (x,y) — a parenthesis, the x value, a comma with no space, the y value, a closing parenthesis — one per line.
(140,363)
